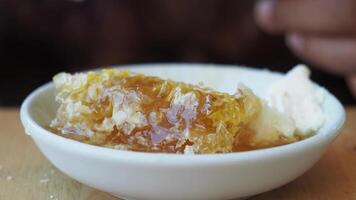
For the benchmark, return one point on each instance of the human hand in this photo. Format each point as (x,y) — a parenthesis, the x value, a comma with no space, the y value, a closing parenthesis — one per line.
(321,32)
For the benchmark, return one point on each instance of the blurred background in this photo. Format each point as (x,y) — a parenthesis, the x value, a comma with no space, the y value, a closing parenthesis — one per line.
(39,38)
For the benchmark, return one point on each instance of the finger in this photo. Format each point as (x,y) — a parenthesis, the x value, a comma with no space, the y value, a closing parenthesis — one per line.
(335,55)
(351,80)
(322,16)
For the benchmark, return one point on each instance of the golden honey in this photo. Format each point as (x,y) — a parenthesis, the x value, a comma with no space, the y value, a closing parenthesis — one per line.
(124,110)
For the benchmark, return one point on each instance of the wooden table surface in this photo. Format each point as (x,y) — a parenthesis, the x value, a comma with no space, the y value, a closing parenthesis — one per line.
(26,174)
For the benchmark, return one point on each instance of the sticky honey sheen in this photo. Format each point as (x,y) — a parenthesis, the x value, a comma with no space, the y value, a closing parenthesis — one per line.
(124,110)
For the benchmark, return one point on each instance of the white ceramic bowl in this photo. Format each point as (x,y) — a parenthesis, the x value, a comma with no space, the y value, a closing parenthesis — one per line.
(135,175)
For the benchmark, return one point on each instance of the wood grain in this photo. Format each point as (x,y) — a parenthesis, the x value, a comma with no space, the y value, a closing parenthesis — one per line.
(26,174)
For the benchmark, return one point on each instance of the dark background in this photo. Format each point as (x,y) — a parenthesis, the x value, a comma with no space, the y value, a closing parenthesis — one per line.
(39,38)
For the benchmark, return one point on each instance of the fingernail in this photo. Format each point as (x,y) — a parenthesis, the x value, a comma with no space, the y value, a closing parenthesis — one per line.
(296,41)
(264,11)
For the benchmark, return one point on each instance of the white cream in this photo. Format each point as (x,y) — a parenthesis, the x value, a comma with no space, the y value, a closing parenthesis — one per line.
(270,123)
(298,98)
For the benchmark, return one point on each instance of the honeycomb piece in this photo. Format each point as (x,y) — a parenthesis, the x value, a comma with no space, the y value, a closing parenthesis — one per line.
(124,110)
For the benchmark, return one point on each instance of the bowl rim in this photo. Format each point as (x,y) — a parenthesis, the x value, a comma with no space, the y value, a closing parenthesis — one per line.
(158,159)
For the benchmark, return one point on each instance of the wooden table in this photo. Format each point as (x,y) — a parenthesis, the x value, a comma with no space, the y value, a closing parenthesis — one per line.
(26,174)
